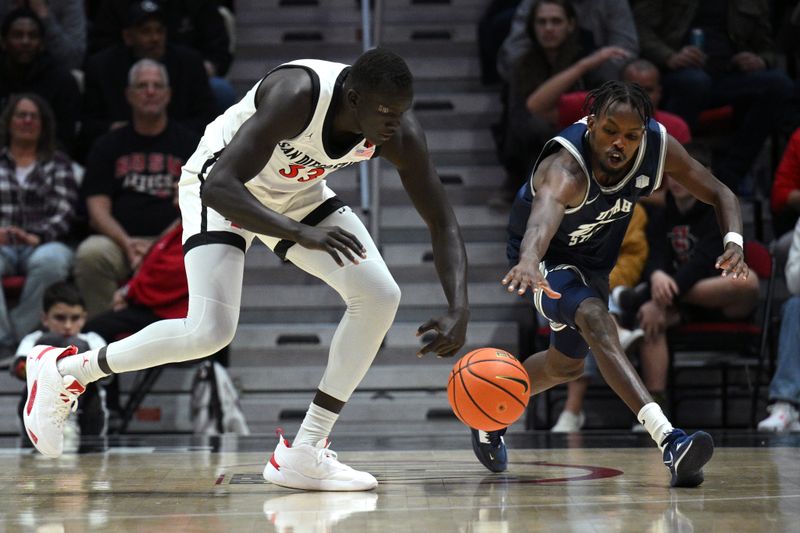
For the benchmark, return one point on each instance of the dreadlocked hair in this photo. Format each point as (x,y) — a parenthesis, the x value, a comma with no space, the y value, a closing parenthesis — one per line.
(613,92)
(378,66)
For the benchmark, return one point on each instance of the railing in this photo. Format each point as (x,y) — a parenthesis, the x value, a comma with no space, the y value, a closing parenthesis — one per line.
(369,171)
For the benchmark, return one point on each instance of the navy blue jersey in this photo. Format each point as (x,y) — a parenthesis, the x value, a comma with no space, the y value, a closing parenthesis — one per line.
(590,234)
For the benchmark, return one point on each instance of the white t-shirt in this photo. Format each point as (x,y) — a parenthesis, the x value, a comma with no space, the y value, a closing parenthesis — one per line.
(22,172)
(27,343)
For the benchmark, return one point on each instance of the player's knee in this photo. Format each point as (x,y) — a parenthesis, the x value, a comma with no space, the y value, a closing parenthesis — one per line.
(212,324)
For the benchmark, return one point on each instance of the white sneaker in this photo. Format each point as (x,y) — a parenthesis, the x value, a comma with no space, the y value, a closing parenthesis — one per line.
(630,338)
(568,422)
(783,417)
(51,397)
(316,511)
(313,468)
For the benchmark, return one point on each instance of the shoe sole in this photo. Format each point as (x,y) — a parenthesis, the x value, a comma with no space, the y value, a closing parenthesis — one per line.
(688,471)
(293,480)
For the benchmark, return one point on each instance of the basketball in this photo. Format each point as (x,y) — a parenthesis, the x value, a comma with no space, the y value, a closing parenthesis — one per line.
(488,389)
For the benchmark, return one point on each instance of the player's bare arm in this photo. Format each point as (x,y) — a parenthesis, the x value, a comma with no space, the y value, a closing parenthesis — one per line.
(408,152)
(559,184)
(284,104)
(706,188)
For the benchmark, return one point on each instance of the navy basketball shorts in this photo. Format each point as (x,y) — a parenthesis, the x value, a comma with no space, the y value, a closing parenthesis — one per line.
(575,287)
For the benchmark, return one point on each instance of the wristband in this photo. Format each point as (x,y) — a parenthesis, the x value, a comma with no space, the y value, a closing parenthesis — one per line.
(735,238)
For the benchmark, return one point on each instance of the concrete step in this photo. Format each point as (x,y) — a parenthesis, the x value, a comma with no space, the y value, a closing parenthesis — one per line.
(316,302)
(277,346)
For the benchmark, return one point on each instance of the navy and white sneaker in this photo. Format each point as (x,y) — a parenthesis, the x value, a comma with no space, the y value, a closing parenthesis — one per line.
(685,455)
(490,449)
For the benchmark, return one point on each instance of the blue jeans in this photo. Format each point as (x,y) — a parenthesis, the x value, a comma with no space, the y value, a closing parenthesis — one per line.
(785,385)
(42,266)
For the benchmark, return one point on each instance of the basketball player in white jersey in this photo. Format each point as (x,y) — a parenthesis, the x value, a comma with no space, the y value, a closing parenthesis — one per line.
(259,172)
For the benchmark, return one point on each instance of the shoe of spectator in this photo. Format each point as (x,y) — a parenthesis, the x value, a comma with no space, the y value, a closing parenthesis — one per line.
(313,468)
(490,449)
(51,398)
(630,339)
(569,422)
(685,455)
(630,299)
(782,417)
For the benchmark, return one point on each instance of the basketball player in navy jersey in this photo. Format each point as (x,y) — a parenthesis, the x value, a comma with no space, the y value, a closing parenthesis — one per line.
(565,231)
(259,172)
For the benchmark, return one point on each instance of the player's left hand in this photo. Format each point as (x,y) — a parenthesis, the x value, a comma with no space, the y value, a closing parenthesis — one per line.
(731,262)
(451,332)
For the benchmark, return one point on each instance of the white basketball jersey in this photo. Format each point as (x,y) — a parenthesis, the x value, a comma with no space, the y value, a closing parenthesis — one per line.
(296,164)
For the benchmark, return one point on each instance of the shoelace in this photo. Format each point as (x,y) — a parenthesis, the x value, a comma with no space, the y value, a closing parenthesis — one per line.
(325,453)
(63,409)
(494,437)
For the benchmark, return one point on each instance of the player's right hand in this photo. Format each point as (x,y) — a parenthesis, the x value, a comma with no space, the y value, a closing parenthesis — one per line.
(333,240)
(527,275)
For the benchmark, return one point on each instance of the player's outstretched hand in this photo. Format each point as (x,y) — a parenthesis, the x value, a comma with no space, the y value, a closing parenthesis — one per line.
(731,262)
(334,240)
(523,276)
(451,331)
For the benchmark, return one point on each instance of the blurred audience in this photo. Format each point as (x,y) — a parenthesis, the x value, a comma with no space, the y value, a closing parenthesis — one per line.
(609,22)
(38,196)
(27,66)
(129,186)
(784,389)
(64,24)
(196,24)
(716,53)
(145,37)
(557,61)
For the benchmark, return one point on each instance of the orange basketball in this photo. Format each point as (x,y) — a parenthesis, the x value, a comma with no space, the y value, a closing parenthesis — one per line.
(488,389)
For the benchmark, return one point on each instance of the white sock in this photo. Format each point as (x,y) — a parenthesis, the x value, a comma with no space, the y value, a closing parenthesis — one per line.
(83,367)
(655,422)
(317,425)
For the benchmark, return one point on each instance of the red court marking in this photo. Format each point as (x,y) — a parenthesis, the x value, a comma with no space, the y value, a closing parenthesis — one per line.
(593,472)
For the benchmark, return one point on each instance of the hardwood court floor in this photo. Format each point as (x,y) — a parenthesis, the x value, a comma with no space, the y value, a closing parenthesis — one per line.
(588,482)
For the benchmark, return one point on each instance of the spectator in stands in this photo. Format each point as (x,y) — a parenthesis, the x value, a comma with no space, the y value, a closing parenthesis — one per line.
(63,316)
(786,196)
(784,390)
(145,36)
(197,24)
(609,22)
(735,65)
(626,273)
(129,186)
(38,195)
(683,282)
(157,290)
(646,75)
(558,60)
(65,27)
(26,66)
